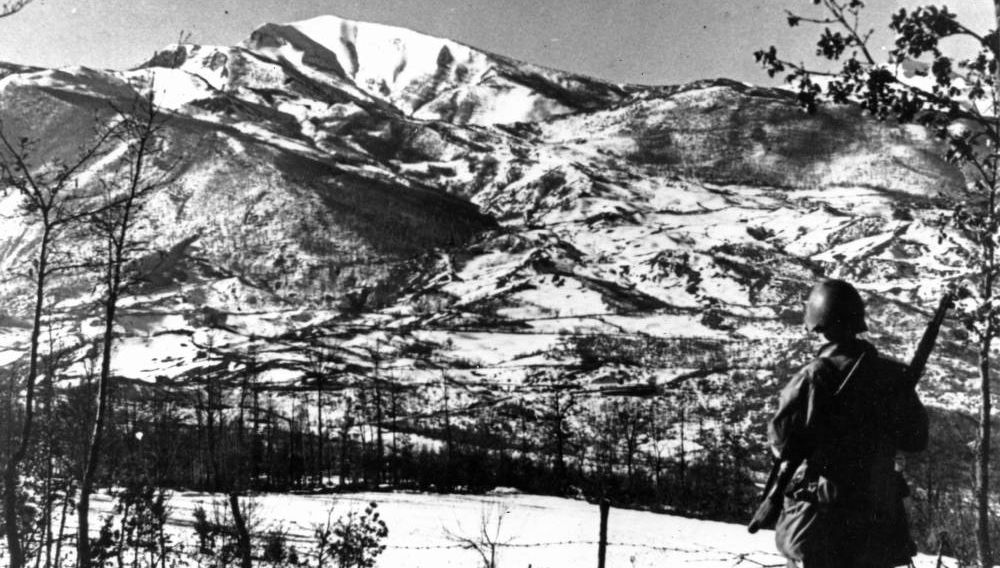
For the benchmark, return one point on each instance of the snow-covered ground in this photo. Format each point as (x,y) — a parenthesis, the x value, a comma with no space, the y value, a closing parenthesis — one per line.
(536,531)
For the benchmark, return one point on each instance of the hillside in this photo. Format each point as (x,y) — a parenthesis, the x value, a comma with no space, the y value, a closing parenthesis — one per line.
(440,185)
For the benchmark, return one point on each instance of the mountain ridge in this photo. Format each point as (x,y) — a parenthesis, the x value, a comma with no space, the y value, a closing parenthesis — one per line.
(427,198)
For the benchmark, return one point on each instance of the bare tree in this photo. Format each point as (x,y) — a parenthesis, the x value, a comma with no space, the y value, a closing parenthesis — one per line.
(242,530)
(139,130)
(50,205)
(558,407)
(488,540)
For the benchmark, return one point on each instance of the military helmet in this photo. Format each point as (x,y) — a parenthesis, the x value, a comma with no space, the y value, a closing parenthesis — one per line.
(835,304)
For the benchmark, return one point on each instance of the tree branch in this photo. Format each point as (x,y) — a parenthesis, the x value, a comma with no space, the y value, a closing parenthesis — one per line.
(838,12)
(11,8)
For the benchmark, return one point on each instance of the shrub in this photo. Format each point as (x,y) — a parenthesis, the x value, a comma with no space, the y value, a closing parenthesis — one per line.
(355,540)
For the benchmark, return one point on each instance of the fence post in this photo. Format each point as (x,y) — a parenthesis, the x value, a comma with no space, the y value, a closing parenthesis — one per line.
(942,539)
(602,544)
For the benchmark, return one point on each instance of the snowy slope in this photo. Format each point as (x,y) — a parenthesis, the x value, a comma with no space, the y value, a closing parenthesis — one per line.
(480,211)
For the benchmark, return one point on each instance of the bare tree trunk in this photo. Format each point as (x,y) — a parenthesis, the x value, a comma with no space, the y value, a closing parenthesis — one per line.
(97,437)
(377,391)
(62,522)
(631,442)
(985,411)
(213,463)
(654,429)
(393,402)
(983,453)
(291,452)
(269,450)
(120,552)
(447,435)
(364,429)
(199,451)
(255,449)
(13,527)
(682,463)
(345,430)
(138,130)
(379,442)
(319,430)
(242,533)
(49,473)
(10,479)
(240,450)
(559,417)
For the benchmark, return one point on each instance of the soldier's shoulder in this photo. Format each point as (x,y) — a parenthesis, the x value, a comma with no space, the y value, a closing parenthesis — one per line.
(819,365)
(891,364)
(819,371)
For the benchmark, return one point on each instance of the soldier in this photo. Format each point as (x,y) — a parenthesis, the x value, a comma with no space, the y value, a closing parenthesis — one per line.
(844,416)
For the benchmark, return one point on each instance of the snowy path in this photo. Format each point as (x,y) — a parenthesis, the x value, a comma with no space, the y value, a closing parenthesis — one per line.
(539,531)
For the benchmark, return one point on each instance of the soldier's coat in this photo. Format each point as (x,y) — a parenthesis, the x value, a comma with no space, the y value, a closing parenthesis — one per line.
(844,506)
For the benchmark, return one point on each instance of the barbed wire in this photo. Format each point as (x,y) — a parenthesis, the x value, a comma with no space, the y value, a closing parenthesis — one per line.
(719,555)
(741,558)
(553,543)
(757,558)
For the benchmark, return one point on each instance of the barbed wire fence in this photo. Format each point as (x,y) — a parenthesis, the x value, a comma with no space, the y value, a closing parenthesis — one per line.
(738,559)
(700,553)
(676,555)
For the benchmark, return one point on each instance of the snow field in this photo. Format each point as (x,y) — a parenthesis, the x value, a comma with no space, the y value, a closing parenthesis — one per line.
(536,531)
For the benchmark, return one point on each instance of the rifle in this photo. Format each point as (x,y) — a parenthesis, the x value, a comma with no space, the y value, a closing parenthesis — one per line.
(782,470)
(916,367)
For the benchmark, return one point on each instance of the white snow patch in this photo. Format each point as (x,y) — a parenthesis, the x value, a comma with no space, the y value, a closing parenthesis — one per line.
(544,532)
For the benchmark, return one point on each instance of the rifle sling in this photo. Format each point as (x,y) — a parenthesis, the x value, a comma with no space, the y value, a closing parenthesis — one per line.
(813,469)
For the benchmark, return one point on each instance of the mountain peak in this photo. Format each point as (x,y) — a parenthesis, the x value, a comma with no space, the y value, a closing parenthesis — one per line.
(400,70)
(428,77)
(379,53)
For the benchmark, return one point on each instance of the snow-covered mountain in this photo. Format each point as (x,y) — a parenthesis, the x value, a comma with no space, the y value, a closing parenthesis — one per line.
(482,212)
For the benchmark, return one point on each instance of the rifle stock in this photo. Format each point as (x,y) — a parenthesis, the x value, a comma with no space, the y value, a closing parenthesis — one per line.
(782,471)
(770,507)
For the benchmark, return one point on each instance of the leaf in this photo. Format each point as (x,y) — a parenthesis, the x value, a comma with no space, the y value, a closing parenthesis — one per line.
(831,44)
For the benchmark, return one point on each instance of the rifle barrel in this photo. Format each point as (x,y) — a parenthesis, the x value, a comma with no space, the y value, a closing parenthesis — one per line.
(918,364)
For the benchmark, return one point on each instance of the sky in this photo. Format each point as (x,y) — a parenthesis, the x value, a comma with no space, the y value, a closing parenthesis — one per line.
(651,42)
